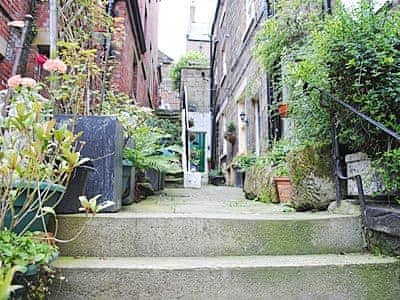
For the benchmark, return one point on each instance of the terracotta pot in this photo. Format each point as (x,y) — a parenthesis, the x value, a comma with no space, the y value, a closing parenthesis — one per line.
(230,137)
(284,187)
(283,110)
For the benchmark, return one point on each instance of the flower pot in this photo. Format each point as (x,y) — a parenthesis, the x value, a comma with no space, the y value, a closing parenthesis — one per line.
(283,110)
(156,179)
(104,141)
(239,178)
(217,180)
(76,187)
(55,191)
(128,182)
(284,188)
(230,137)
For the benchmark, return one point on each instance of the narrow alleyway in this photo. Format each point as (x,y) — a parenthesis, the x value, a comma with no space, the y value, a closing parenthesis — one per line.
(211,243)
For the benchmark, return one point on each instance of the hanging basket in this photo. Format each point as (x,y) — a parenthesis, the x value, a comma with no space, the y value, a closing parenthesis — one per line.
(230,137)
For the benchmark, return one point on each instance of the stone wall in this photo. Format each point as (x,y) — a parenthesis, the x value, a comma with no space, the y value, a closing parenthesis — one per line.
(240,81)
(195,80)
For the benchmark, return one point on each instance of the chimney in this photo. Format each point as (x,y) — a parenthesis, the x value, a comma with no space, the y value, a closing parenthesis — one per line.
(192,12)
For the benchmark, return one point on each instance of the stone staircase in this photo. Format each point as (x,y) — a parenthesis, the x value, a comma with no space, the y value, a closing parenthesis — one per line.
(212,244)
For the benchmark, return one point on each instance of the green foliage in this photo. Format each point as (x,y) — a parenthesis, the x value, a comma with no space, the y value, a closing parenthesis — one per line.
(148,151)
(352,54)
(230,126)
(27,253)
(33,151)
(215,172)
(244,161)
(192,59)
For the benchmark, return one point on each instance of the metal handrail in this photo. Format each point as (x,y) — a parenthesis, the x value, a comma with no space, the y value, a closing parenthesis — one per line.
(336,154)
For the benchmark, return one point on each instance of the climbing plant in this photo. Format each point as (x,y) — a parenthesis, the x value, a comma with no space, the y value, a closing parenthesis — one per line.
(191,59)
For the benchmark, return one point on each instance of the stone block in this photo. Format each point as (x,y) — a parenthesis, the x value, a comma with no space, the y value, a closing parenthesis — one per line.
(359,164)
(383,219)
(192,180)
(103,144)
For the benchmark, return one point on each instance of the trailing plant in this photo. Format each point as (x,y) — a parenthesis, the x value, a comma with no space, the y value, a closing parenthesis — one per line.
(192,59)
(244,161)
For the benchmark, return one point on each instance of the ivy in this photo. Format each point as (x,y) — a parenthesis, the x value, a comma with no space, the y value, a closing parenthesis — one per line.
(191,59)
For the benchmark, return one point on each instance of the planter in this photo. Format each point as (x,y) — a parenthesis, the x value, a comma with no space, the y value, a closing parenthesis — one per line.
(37,225)
(230,137)
(128,182)
(239,178)
(76,187)
(283,110)
(284,188)
(217,180)
(103,144)
(156,179)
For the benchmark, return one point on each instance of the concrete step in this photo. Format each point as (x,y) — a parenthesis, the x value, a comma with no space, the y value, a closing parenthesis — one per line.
(257,277)
(129,234)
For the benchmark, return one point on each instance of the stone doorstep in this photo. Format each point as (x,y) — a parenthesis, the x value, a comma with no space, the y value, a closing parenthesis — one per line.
(174,235)
(255,277)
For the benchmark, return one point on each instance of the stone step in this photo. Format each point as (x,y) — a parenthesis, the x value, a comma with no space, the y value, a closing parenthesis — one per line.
(257,277)
(128,234)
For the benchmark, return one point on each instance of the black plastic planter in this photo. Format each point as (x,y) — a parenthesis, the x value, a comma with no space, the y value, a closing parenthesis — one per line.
(128,182)
(156,179)
(217,180)
(239,178)
(76,187)
(103,143)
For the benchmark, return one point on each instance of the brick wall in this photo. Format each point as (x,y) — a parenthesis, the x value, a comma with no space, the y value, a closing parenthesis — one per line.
(10,10)
(242,80)
(195,80)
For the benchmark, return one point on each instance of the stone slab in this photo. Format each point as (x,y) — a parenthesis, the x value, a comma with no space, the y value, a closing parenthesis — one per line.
(103,138)
(168,234)
(383,219)
(260,277)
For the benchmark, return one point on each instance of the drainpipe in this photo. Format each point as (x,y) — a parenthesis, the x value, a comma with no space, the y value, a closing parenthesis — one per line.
(53,28)
(213,48)
(18,55)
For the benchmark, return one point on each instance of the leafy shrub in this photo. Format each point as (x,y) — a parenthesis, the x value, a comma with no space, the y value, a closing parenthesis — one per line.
(191,59)
(244,161)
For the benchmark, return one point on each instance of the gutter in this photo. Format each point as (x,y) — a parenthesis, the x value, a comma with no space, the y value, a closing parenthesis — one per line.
(137,22)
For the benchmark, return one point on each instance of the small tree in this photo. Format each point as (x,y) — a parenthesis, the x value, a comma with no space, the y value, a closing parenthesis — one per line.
(191,59)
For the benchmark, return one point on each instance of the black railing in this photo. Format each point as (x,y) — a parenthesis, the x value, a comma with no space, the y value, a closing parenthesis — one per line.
(339,176)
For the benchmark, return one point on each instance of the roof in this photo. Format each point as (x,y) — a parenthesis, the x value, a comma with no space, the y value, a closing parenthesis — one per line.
(164,58)
(199,32)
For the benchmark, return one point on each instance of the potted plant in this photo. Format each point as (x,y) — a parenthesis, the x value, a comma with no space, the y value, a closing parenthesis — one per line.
(216,177)
(242,163)
(283,109)
(283,183)
(31,257)
(230,134)
(37,161)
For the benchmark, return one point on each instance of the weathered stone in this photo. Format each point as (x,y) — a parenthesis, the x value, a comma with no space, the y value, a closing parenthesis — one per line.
(359,164)
(382,243)
(310,170)
(347,207)
(103,142)
(383,219)
(260,277)
(259,184)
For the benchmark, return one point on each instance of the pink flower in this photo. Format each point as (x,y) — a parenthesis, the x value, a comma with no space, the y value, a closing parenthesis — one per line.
(28,82)
(17,81)
(41,59)
(14,81)
(57,64)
